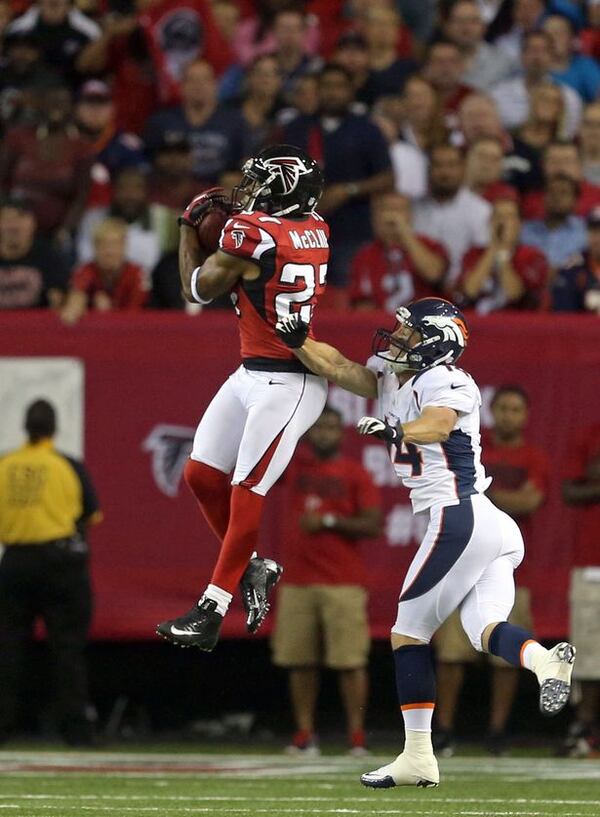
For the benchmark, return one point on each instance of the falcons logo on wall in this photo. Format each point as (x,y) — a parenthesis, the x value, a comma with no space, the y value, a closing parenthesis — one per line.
(288,169)
(170,447)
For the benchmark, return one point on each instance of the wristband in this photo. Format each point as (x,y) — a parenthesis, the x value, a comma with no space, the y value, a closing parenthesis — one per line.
(352,189)
(193,282)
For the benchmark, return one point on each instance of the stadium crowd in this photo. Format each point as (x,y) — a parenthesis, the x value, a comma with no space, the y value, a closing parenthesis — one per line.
(460,142)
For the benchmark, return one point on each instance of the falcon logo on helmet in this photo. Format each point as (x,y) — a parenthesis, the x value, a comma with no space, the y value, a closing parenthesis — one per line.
(428,332)
(289,169)
(281,180)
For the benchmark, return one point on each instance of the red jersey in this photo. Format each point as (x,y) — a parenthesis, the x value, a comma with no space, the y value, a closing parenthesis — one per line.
(532,204)
(387,278)
(340,486)
(126,290)
(511,467)
(530,265)
(496,191)
(587,537)
(291,256)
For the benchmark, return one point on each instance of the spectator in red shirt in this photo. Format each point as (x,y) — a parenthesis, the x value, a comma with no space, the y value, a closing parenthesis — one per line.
(109,281)
(49,164)
(400,265)
(443,68)
(122,51)
(178,33)
(484,170)
(520,472)
(321,610)
(562,159)
(506,274)
(581,490)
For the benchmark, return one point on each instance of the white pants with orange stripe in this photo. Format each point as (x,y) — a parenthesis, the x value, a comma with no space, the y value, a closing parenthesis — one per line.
(254,422)
(466,560)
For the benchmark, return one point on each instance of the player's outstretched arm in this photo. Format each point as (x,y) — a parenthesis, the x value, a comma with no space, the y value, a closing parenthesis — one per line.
(203,279)
(326,360)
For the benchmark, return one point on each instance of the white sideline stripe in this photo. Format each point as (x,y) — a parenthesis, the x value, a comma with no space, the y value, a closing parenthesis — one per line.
(249,760)
(404,812)
(282,799)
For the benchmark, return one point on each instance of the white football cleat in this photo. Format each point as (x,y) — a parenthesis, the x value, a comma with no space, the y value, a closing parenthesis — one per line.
(554,674)
(421,770)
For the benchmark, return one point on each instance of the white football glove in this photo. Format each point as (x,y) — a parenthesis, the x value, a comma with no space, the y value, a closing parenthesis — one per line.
(375,427)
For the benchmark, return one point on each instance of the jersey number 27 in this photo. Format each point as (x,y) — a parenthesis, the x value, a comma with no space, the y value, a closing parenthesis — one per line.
(290,275)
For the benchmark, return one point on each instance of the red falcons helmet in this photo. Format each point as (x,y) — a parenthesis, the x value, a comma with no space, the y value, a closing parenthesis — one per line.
(280,180)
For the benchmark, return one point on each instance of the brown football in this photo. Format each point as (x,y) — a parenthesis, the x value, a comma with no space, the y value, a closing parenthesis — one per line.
(209,229)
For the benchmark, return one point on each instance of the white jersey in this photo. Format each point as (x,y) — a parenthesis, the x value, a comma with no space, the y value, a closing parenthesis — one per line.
(435,473)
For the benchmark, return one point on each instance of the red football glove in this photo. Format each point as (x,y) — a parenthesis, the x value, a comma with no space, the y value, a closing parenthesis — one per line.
(200,204)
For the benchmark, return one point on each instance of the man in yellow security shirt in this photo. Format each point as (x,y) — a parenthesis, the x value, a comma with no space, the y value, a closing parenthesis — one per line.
(47,502)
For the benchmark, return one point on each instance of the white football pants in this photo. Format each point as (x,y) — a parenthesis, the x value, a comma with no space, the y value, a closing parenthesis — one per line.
(466,560)
(254,422)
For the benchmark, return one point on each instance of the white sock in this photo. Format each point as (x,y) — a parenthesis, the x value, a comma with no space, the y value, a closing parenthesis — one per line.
(531,654)
(417,717)
(222,597)
(418,742)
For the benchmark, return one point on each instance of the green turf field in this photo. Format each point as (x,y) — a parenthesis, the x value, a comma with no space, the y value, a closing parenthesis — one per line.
(97,784)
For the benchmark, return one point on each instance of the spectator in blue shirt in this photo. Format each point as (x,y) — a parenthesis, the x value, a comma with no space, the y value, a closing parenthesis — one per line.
(568,67)
(95,120)
(577,284)
(387,71)
(215,133)
(561,234)
(356,164)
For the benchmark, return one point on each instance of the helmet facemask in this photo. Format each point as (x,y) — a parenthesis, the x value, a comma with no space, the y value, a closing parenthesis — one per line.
(398,346)
(248,191)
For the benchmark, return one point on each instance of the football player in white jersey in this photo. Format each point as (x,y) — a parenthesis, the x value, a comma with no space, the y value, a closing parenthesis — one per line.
(428,416)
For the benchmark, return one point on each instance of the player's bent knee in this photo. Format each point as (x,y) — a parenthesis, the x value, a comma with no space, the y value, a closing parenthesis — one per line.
(203,478)
(486,635)
(474,633)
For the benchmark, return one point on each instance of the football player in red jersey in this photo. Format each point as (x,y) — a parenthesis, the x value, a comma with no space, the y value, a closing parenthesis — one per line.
(272,258)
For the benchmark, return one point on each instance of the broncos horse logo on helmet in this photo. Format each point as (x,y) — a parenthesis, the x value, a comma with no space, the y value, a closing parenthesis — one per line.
(280,180)
(442,335)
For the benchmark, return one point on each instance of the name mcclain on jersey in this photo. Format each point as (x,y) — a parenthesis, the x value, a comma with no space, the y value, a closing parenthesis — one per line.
(309,239)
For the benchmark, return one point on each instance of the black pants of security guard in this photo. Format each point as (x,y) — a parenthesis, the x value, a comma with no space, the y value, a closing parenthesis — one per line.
(51,582)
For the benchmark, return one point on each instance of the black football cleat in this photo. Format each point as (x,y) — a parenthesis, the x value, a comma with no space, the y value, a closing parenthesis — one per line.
(259,578)
(199,627)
